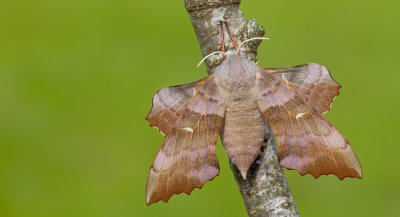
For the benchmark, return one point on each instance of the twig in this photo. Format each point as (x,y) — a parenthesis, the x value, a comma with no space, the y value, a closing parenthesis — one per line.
(265,191)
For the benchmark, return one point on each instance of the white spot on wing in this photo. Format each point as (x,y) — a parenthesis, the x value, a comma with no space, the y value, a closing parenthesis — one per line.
(188,129)
(284,78)
(194,91)
(299,115)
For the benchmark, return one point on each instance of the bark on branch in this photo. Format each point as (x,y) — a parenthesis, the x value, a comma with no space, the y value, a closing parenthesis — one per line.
(265,191)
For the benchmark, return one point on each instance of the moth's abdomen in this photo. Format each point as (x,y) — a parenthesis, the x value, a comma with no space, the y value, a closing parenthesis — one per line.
(243,135)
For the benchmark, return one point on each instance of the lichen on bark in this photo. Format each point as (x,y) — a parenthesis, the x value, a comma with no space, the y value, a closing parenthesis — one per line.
(206,15)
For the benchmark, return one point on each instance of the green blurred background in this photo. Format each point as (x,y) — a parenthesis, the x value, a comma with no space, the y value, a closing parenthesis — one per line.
(77,78)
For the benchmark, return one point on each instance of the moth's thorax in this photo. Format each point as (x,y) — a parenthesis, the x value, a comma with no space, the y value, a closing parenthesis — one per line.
(236,72)
(237,79)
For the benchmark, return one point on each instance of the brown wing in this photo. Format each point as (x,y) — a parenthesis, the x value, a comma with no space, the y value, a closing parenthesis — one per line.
(187,158)
(307,141)
(312,82)
(169,103)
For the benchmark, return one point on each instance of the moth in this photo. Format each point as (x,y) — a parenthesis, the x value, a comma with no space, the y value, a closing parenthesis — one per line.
(235,102)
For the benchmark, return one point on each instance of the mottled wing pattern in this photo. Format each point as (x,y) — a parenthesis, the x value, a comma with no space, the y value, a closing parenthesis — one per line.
(187,158)
(169,103)
(307,141)
(312,82)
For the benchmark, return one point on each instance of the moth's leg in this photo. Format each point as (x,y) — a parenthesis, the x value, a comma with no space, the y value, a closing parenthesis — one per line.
(230,36)
(222,39)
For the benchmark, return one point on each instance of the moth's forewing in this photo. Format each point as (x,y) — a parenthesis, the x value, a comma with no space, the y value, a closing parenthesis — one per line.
(307,141)
(187,158)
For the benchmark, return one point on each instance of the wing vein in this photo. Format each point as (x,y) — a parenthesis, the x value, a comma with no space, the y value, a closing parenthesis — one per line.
(301,101)
(180,159)
(316,142)
(188,162)
(294,92)
(284,134)
(174,125)
(308,144)
(326,144)
(338,146)
(319,129)
(173,154)
(294,133)
(208,143)
(169,107)
(198,150)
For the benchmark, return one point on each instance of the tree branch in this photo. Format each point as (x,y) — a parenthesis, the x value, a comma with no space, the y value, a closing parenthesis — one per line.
(265,191)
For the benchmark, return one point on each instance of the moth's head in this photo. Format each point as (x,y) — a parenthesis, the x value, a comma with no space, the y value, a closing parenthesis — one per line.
(234,64)
(231,55)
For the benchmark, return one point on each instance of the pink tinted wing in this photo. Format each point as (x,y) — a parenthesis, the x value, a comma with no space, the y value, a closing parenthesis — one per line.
(169,103)
(311,82)
(307,141)
(187,158)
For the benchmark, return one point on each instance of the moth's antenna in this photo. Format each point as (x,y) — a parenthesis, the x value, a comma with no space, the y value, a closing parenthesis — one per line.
(222,38)
(213,53)
(251,39)
(230,35)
